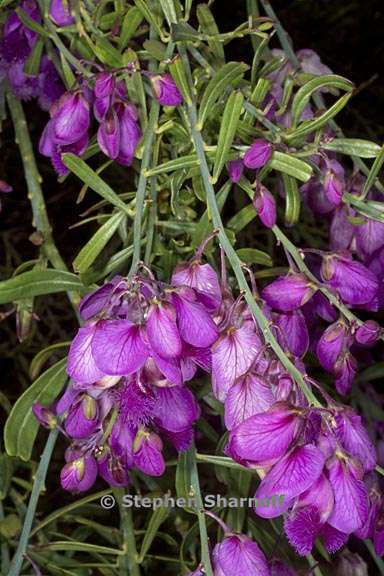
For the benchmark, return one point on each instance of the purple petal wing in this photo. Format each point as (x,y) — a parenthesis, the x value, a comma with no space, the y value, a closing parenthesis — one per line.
(247,397)
(81,365)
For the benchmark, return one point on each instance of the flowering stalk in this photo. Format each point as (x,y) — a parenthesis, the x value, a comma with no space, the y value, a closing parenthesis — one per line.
(231,254)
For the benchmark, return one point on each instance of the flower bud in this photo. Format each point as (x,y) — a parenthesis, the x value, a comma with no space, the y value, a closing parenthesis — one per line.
(289,292)
(44,415)
(147,453)
(235,170)
(368,333)
(71,120)
(60,12)
(258,154)
(265,206)
(82,418)
(79,475)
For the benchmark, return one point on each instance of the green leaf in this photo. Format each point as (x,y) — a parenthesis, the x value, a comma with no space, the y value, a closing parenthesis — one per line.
(292,200)
(374,171)
(353,147)
(374,210)
(311,125)
(169,11)
(41,357)
(228,75)
(228,127)
(69,76)
(302,97)
(37,283)
(290,165)
(93,180)
(97,243)
(176,164)
(107,53)
(183,32)
(177,71)
(81,547)
(148,14)
(157,518)
(254,256)
(131,21)
(242,218)
(30,23)
(32,65)
(204,227)
(209,27)
(156,49)
(21,426)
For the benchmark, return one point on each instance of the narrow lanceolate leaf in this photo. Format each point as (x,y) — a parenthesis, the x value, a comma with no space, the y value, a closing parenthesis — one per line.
(37,283)
(228,75)
(242,218)
(93,180)
(318,122)
(95,245)
(372,210)
(353,147)
(254,256)
(148,14)
(291,166)
(41,357)
(172,165)
(229,122)
(157,518)
(107,53)
(373,173)
(32,65)
(302,97)
(22,426)
(131,21)
(169,10)
(6,473)
(209,27)
(177,71)
(292,200)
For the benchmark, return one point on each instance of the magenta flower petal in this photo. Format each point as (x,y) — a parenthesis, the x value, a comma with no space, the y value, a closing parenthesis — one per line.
(235,170)
(369,238)
(195,324)
(162,331)
(59,12)
(292,332)
(81,365)
(147,453)
(332,539)
(175,408)
(355,284)
(368,333)
(334,187)
(351,499)
(129,135)
(203,278)
(112,470)
(171,368)
(288,293)
(331,345)
(302,528)
(239,555)
(166,91)
(79,475)
(247,397)
(71,120)
(108,135)
(83,417)
(290,477)
(265,437)
(258,154)
(232,355)
(104,85)
(118,348)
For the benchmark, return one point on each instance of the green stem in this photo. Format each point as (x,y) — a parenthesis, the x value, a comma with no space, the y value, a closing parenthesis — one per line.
(379,561)
(234,260)
(38,486)
(314,565)
(35,192)
(129,560)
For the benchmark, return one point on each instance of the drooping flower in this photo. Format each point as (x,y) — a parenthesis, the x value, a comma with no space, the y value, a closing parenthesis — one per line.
(60,12)
(235,170)
(289,292)
(238,554)
(79,474)
(165,90)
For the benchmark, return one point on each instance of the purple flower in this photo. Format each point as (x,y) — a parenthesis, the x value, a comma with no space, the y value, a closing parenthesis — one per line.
(258,154)
(129,133)
(232,356)
(71,118)
(44,415)
(235,170)
(111,468)
(195,325)
(292,332)
(147,453)
(165,90)
(345,371)
(81,365)
(288,293)
(334,340)
(369,237)
(83,417)
(292,475)
(264,438)
(355,284)
(350,510)
(265,206)
(79,474)
(108,134)
(334,185)
(60,12)
(368,333)
(203,279)
(105,85)
(238,554)
(250,395)
(354,438)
